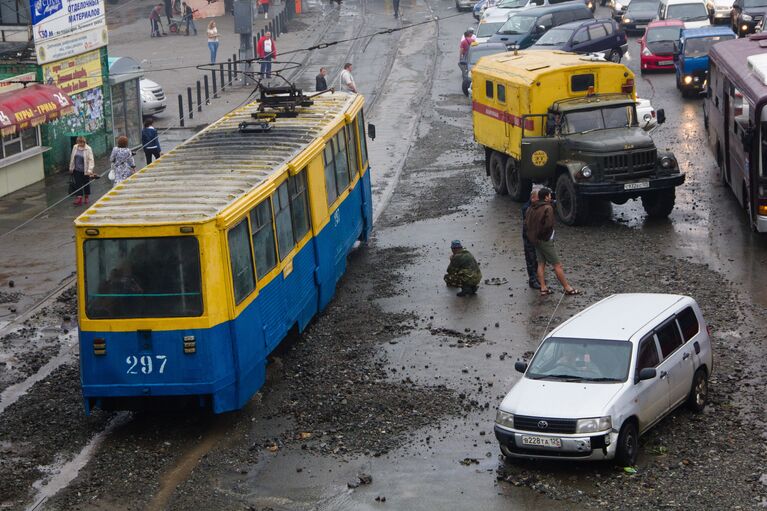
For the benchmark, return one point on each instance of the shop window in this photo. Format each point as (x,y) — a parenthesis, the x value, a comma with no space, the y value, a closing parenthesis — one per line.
(11,145)
(299,204)
(243,279)
(21,141)
(263,238)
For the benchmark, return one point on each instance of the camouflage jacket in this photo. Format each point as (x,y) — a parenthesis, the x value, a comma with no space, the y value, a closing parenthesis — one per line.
(464,263)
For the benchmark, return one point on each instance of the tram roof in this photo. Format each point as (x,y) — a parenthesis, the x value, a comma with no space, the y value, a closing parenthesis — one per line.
(201,177)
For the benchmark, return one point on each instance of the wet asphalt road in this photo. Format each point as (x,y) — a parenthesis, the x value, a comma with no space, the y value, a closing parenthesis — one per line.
(250,459)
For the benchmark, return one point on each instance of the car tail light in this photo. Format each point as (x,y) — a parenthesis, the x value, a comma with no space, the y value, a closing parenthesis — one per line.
(628,87)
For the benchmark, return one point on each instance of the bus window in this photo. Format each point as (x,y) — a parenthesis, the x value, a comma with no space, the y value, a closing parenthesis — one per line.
(764,148)
(142,278)
(263,238)
(363,141)
(299,206)
(350,136)
(342,164)
(243,278)
(282,220)
(330,172)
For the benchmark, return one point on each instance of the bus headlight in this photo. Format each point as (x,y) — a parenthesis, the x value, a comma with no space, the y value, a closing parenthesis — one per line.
(504,419)
(688,80)
(667,162)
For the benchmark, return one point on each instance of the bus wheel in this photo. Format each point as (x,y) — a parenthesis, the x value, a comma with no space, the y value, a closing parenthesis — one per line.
(519,189)
(571,209)
(660,203)
(497,171)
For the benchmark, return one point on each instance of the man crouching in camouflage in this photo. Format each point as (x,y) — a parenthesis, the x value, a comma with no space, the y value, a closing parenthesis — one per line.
(463,271)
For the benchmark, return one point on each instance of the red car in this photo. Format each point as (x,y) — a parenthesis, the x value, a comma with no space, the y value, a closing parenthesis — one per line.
(658,44)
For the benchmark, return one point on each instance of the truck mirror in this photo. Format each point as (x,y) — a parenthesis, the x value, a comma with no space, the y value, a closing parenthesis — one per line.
(372,131)
(660,114)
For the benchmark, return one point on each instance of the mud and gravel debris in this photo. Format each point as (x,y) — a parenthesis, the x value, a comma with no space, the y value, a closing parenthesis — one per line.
(12,297)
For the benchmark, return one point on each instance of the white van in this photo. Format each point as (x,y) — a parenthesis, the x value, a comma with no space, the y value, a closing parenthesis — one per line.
(693,12)
(509,7)
(489,25)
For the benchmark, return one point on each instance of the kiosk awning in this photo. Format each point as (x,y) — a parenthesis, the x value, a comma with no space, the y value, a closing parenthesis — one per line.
(31,106)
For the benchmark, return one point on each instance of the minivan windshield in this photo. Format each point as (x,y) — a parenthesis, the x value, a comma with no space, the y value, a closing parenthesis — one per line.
(517,25)
(699,46)
(579,360)
(488,29)
(687,12)
(582,121)
(555,37)
(750,4)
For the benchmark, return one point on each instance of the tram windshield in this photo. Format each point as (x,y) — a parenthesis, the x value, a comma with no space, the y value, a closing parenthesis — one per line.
(142,278)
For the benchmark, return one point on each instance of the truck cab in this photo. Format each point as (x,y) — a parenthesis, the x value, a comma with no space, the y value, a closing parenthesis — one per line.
(691,59)
(570,122)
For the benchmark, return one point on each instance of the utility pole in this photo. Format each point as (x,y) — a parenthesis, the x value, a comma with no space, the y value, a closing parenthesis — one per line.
(243,25)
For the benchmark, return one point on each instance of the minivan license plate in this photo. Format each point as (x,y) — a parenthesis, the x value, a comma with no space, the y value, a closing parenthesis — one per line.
(542,441)
(636,186)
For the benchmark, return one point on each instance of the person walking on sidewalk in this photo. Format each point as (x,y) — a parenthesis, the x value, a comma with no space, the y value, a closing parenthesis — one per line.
(150,141)
(320,84)
(347,80)
(540,231)
(396,8)
(530,260)
(81,165)
(264,4)
(188,17)
(122,160)
(266,49)
(212,41)
(154,20)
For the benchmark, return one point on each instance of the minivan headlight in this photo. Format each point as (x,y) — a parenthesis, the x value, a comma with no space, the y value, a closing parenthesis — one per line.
(504,419)
(593,425)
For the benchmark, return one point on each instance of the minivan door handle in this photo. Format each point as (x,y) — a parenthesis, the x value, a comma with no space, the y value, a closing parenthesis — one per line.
(663,374)
(686,355)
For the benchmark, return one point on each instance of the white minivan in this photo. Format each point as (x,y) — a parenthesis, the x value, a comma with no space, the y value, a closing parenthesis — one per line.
(694,13)
(606,376)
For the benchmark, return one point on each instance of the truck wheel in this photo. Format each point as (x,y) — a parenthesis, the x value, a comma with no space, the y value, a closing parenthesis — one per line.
(571,209)
(465,88)
(660,203)
(519,189)
(497,172)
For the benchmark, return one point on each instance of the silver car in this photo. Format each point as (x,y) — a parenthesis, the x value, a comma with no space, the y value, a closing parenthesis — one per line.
(152,98)
(606,376)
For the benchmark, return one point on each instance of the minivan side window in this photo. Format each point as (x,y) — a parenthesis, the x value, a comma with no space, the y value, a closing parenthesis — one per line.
(647,354)
(688,323)
(668,338)
(608,28)
(546,20)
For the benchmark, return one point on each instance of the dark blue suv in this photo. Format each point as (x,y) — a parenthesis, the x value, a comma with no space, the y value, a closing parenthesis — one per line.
(587,36)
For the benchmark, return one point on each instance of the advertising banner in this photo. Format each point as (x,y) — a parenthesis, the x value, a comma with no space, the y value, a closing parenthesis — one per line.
(63,28)
(16,82)
(75,74)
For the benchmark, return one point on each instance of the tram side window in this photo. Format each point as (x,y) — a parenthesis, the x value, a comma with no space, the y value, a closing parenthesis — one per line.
(243,277)
(263,238)
(342,163)
(363,141)
(282,218)
(143,278)
(330,172)
(299,204)
(350,136)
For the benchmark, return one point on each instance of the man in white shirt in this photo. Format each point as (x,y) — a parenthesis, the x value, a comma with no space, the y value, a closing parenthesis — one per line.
(347,80)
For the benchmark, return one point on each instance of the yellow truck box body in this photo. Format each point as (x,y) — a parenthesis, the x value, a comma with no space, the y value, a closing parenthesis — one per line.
(507,87)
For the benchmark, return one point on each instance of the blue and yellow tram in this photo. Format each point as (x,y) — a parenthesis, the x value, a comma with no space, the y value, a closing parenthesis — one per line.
(193,270)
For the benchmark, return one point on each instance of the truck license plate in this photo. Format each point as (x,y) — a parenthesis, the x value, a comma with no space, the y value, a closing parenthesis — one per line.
(542,441)
(665,62)
(636,186)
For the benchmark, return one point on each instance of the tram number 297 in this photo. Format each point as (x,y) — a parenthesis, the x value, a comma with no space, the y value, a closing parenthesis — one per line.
(146,364)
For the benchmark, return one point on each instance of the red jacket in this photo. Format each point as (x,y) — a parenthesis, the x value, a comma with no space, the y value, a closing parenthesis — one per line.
(262,2)
(260,48)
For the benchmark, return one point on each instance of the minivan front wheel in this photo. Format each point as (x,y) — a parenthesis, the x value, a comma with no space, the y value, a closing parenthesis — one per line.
(698,397)
(628,445)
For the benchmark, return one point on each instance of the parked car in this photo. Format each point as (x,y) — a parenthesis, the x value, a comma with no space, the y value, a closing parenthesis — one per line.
(657,45)
(605,377)
(638,15)
(524,28)
(691,61)
(586,36)
(477,10)
(692,12)
(719,10)
(152,98)
(747,15)
(476,52)
(489,25)
(464,5)
(618,8)
(646,114)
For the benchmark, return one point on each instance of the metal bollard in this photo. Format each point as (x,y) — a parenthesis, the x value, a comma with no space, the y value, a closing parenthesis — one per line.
(284,22)
(215,91)
(181,110)
(229,71)
(189,99)
(235,62)
(199,97)
(221,75)
(207,90)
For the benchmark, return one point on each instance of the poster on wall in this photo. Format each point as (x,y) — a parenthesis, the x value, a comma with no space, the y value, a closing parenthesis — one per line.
(88,113)
(206,9)
(75,74)
(63,28)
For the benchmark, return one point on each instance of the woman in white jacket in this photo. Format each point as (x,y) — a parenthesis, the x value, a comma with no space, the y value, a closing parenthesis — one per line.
(81,165)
